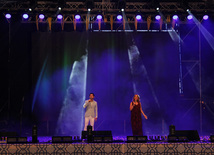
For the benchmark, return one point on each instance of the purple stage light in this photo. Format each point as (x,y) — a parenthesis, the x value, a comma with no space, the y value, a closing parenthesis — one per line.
(25,16)
(77,17)
(119,17)
(205,17)
(99,17)
(138,17)
(158,17)
(175,17)
(8,16)
(41,16)
(189,17)
(59,17)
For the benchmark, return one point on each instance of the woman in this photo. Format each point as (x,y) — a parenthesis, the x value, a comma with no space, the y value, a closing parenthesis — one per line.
(136,120)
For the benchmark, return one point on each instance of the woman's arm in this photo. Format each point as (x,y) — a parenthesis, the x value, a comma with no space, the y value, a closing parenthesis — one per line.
(131,106)
(143,112)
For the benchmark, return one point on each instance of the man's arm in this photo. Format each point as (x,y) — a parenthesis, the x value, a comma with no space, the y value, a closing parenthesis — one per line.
(86,103)
(96,112)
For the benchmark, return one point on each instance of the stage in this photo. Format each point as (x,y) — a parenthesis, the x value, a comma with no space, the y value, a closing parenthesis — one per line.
(161,147)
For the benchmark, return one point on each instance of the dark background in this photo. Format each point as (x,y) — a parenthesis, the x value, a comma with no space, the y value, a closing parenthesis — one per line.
(108,76)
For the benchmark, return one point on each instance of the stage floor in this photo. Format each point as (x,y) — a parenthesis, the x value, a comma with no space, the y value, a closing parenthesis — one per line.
(162,147)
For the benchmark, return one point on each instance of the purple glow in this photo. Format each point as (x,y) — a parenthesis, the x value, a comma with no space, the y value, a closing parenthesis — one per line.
(189,17)
(175,17)
(158,17)
(205,17)
(119,17)
(77,17)
(138,17)
(41,16)
(8,16)
(99,17)
(59,17)
(25,16)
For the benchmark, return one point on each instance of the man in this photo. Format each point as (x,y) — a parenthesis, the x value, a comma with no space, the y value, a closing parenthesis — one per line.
(91,111)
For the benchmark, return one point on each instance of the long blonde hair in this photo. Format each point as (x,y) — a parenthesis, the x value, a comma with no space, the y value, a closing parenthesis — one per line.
(138,100)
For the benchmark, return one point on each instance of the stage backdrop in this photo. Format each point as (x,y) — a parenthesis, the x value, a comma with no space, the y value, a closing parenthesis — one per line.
(67,67)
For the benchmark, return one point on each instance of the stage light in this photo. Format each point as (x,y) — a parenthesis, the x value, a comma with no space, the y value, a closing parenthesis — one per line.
(30,9)
(119,17)
(138,17)
(41,16)
(77,17)
(121,5)
(59,17)
(8,16)
(189,17)
(205,17)
(187,10)
(89,5)
(175,17)
(99,17)
(25,16)
(158,17)
(59,8)
(157,9)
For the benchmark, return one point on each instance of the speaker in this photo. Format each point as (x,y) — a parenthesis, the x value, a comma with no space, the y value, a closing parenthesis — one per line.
(98,136)
(137,139)
(212,138)
(62,139)
(172,138)
(171,130)
(89,134)
(34,134)
(191,135)
(56,139)
(11,140)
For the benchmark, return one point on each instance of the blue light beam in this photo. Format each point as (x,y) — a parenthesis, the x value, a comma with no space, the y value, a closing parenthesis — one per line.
(70,120)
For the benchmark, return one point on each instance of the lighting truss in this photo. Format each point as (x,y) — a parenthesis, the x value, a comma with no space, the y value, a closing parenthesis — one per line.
(110,7)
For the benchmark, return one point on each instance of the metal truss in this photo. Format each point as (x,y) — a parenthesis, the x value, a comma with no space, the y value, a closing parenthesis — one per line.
(111,7)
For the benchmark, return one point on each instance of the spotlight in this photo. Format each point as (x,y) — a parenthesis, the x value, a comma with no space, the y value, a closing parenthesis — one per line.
(205,17)
(89,4)
(119,17)
(99,17)
(61,4)
(25,16)
(187,10)
(8,16)
(175,17)
(158,17)
(138,17)
(121,5)
(59,16)
(77,17)
(41,16)
(189,17)
(30,9)
(157,9)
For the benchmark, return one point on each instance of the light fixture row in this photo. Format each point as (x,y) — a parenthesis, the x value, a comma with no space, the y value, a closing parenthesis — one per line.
(99,17)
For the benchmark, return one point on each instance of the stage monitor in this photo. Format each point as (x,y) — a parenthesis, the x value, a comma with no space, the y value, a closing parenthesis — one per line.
(137,139)
(192,135)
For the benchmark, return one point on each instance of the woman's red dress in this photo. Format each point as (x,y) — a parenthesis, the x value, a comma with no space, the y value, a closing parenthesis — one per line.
(136,120)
